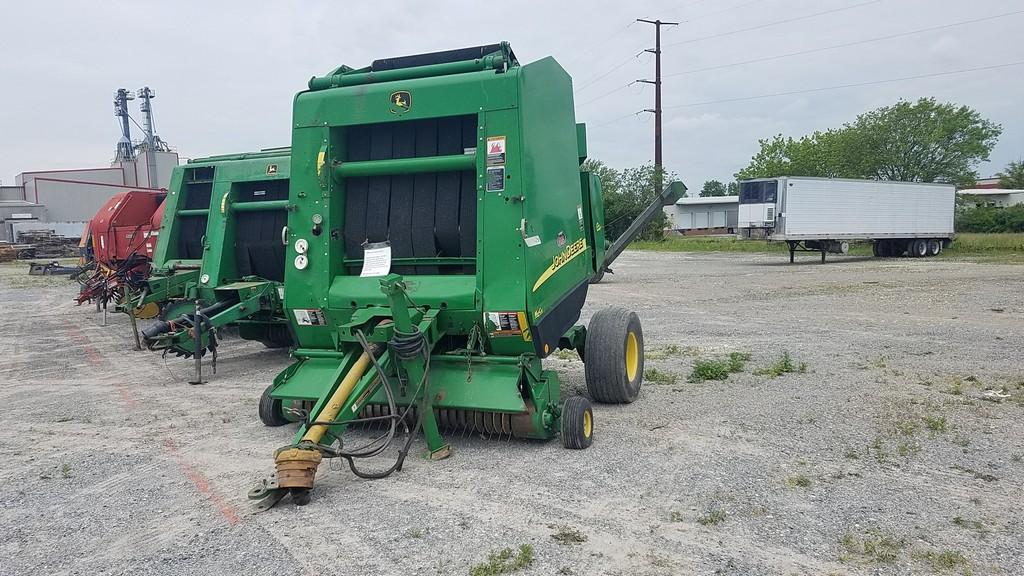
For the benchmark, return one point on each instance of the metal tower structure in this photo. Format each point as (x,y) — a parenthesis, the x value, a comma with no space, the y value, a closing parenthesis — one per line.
(153,142)
(125,151)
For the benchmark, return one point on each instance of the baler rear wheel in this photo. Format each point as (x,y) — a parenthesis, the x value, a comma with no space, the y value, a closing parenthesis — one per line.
(577,423)
(271,411)
(614,357)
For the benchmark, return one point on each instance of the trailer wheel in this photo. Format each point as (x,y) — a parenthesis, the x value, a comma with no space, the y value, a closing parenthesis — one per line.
(577,423)
(934,247)
(919,248)
(271,412)
(876,249)
(614,356)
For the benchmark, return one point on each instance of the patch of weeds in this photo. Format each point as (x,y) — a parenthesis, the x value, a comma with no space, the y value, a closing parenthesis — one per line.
(504,562)
(712,517)
(671,351)
(972,378)
(946,561)
(655,376)
(799,481)
(738,361)
(956,387)
(675,516)
(962,441)
(708,370)
(975,525)
(784,365)
(565,570)
(871,547)
(718,368)
(851,454)
(908,448)
(563,354)
(414,533)
(65,470)
(567,536)
(935,424)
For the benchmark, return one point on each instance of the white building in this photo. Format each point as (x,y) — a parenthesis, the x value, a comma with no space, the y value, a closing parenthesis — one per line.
(1000,197)
(711,215)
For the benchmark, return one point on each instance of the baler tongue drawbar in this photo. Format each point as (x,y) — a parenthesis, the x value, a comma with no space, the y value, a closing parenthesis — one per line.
(405,352)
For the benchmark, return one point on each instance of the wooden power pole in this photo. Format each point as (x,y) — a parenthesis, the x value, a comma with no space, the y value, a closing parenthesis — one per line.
(657,92)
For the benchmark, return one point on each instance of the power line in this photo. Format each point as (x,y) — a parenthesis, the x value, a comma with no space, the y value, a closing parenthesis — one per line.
(775,23)
(607,72)
(846,44)
(854,85)
(657,93)
(619,118)
(585,51)
(609,93)
(717,12)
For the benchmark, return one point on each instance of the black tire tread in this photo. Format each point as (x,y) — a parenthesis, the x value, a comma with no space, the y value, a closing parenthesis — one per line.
(572,434)
(606,358)
(270,409)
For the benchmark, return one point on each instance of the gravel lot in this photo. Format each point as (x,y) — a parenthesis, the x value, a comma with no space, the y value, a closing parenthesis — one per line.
(896,450)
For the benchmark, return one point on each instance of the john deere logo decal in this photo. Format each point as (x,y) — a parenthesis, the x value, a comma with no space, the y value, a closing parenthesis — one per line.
(271,169)
(401,102)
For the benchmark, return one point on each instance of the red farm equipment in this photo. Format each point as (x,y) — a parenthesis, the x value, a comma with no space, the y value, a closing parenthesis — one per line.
(118,246)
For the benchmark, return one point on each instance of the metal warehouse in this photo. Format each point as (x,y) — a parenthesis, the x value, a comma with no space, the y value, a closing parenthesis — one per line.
(711,215)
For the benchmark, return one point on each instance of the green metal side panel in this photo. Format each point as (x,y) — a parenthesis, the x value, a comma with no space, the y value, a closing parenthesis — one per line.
(166,247)
(553,207)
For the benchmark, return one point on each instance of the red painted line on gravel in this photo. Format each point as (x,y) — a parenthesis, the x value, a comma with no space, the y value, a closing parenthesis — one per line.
(97,359)
(202,484)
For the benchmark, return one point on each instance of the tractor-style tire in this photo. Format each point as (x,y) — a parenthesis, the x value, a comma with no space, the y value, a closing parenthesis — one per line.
(614,357)
(271,411)
(577,423)
(934,247)
(919,248)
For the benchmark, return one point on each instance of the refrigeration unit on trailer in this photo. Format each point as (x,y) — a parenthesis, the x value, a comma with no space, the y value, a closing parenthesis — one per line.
(826,214)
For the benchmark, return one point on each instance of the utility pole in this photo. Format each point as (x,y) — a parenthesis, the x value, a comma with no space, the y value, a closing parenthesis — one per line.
(657,94)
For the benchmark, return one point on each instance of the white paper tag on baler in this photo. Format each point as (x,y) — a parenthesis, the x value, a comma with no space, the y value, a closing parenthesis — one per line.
(377,259)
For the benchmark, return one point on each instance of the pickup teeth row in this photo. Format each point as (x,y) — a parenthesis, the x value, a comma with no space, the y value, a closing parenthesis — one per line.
(466,421)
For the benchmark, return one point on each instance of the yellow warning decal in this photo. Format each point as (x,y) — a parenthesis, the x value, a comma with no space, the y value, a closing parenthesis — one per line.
(320,162)
(561,259)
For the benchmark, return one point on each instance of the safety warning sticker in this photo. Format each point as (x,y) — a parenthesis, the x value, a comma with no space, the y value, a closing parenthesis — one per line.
(310,317)
(505,323)
(496,151)
(496,179)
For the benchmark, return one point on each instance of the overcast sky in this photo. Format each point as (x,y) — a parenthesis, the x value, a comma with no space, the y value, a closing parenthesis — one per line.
(225,72)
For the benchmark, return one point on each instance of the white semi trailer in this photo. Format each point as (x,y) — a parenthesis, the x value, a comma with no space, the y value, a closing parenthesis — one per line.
(826,214)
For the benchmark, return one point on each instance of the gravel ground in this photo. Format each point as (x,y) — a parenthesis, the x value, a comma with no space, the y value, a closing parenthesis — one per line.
(894,448)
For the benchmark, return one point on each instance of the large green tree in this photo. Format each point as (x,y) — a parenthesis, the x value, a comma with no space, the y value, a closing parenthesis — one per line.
(1012,177)
(713,188)
(922,141)
(626,193)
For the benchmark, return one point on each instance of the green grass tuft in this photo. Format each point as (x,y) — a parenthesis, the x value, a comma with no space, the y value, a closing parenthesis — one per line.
(784,365)
(504,562)
(655,376)
(799,481)
(712,517)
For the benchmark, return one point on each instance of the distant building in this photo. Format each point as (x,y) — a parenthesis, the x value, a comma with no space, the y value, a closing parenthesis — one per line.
(711,215)
(64,200)
(986,184)
(1001,197)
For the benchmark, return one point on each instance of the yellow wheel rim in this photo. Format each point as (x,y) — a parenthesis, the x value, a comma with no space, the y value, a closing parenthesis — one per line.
(588,424)
(147,311)
(632,356)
